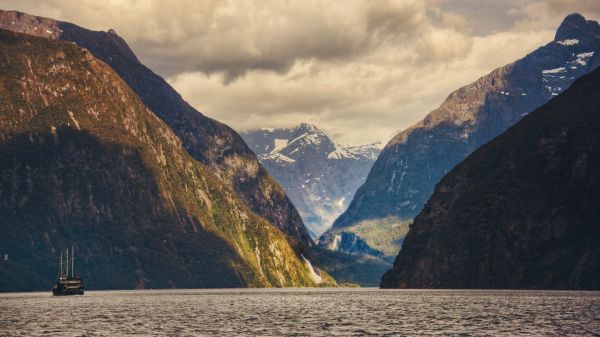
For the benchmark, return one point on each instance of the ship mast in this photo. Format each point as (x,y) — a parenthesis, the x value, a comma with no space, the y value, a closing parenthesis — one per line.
(60,265)
(72,260)
(67,271)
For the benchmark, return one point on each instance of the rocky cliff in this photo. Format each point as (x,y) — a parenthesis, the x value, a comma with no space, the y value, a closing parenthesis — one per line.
(319,176)
(209,141)
(84,160)
(404,176)
(520,212)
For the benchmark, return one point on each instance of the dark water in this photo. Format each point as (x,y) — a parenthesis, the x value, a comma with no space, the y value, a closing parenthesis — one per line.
(301,312)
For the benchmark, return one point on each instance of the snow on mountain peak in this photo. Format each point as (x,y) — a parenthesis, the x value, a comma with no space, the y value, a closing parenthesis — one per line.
(568,42)
(360,152)
(341,152)
(305,140)
(308,127)
(319,176)
(279,144)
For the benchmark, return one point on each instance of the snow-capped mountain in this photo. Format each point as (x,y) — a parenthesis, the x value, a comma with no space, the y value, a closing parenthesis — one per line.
(413,162)
(319,176)
(520,212)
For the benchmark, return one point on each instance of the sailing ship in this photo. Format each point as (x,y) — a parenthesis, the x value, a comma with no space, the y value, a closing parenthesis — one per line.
(67,284)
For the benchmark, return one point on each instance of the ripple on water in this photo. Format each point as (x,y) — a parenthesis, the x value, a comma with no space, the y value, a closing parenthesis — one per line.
(302,312)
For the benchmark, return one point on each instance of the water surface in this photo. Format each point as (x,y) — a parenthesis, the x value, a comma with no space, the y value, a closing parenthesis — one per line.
(302,312)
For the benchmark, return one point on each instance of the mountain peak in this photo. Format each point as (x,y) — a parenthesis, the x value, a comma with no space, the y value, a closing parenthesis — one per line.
(308,127)
(574,18)
(319,176)
(574,26)
(106,43)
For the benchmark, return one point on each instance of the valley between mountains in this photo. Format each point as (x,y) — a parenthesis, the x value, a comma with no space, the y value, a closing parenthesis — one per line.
(498,187)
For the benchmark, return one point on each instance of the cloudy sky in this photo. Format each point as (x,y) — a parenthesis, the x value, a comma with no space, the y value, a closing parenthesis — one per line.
(360,70)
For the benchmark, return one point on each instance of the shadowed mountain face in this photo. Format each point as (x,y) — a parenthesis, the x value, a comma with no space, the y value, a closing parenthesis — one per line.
(520,212)
(404,175)
(210,142)
(320,177)
(85,161)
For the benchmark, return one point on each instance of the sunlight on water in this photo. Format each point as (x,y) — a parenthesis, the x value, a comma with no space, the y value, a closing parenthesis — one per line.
(301,312)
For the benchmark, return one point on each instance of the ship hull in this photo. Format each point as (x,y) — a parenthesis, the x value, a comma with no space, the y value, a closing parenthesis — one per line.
(57,292)
(66,286)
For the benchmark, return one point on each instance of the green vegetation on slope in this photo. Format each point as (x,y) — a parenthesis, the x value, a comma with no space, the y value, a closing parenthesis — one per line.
(117,181)
(385,235)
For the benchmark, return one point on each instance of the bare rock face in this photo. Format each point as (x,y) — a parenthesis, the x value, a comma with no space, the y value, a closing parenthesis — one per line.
(404,176)
(319,176)
(207,140)
(85,161)
(520,212)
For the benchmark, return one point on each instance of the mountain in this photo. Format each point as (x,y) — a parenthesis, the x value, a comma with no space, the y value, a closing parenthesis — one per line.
(520,212)
(405,173)
(208,141)
(85,161)
(320,177)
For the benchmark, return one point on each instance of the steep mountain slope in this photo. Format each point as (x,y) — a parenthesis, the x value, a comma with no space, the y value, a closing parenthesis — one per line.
(404,175)
(207,140)
(85,161)
(320,177)
(520,212)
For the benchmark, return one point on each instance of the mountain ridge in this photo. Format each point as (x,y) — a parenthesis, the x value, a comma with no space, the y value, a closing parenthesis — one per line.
(404,175)
(207,140)
(519,212)
(86,161)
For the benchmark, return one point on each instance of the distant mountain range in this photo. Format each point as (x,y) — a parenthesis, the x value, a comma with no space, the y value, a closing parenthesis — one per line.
(413,162)
(319,176)
(520,212)
(100,151)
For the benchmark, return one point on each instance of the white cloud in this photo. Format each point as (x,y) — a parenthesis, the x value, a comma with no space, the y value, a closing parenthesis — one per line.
(362,70)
